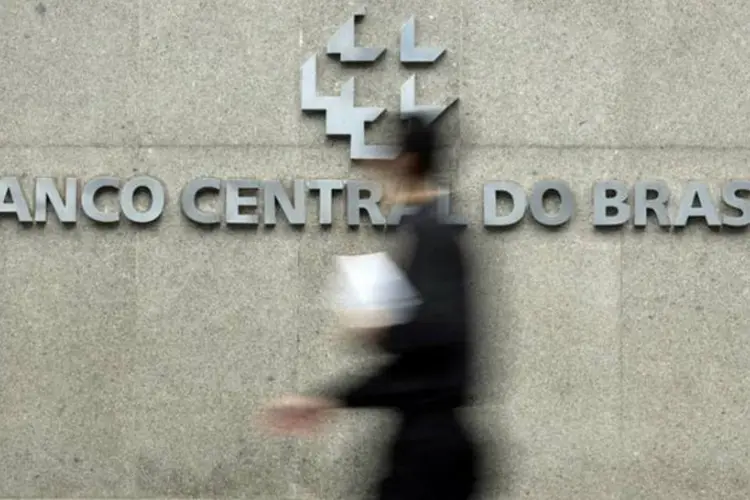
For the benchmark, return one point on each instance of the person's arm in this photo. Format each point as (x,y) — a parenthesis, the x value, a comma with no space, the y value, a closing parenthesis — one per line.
(379,390)
(419,334)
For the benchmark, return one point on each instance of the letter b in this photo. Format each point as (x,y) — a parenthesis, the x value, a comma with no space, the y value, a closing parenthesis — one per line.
(611,196)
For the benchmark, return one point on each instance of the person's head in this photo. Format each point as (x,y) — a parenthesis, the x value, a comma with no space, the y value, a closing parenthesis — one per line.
(409,176)
(415,164)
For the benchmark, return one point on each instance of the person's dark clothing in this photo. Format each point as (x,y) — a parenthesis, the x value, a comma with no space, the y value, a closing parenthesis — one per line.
(432,458)
(428,379)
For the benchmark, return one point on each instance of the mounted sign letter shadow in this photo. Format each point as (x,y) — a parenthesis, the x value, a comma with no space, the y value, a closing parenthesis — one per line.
(189,201)
(397,212)
(234,200)
(736,195)
(46,194)
(156,193)
(343,44)
(611,208)
(410,53)
(518,200)
(446,214)
(355,203)
(13,201)
(274,195)
(409,106)
(343,118)
(540,213)
(653,197)
(696,202)
(88,199)
(325,188)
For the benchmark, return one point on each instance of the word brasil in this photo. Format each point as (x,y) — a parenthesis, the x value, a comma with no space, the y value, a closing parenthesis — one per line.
(250,202)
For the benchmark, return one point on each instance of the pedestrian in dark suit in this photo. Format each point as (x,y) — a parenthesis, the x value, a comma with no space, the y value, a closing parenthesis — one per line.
(427,381)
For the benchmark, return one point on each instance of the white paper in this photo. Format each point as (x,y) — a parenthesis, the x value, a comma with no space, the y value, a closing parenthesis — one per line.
(371,289)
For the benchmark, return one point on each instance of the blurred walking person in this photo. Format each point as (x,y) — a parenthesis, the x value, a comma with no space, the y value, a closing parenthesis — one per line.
(428,379)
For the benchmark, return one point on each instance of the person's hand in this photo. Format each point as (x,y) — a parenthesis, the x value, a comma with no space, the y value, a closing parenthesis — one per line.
(351,336)
(300,415)
(369,336)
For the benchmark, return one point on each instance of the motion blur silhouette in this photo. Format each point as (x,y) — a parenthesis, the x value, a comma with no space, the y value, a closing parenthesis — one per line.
(434,455)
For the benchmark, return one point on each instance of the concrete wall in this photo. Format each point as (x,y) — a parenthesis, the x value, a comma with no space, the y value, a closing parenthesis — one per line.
(134,359)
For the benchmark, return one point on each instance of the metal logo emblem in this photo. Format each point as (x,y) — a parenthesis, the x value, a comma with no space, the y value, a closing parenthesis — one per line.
(343,117)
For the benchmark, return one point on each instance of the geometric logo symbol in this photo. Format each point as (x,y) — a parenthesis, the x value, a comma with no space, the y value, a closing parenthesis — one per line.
(342,43)
(343,118)
(410,53)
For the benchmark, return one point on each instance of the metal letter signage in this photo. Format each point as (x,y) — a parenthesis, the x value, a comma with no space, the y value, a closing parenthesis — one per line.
(254,202)
(343,117)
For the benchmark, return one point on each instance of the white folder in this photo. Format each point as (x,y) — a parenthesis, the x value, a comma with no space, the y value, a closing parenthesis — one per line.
(372,291)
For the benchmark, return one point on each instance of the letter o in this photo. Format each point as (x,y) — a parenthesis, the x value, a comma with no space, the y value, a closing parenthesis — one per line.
(536,203)
(158,199)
